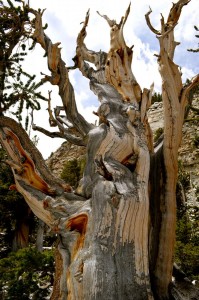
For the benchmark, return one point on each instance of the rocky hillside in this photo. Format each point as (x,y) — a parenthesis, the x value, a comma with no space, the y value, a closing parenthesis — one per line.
(66,152)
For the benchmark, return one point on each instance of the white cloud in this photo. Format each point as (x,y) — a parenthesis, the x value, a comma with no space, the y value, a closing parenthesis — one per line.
(186,73)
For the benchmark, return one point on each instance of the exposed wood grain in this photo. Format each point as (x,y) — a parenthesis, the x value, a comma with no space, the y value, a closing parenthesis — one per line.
(109,233)
(172,88)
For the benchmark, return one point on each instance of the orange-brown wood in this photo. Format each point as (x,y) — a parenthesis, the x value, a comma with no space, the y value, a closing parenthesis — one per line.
(28,171)
(78,224)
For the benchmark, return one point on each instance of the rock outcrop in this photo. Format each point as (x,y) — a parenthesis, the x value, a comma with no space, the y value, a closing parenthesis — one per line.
(66,152)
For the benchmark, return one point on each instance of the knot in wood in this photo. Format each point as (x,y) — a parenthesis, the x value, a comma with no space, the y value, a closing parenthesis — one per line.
(132,112)
(115,201)
(104,109)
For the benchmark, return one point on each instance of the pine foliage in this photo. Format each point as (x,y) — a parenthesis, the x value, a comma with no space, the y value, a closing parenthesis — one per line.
(73,171)
(26,274)
(197,36)
(18,89)
(187,231)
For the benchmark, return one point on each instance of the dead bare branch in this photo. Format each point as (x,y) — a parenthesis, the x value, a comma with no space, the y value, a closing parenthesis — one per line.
(52,120)
(59,76)
(148,21)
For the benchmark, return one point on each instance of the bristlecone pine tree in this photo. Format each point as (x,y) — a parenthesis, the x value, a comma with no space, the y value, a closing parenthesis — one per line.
(117,229)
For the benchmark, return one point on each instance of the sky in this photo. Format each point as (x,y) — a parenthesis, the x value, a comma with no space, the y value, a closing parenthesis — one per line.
(64,17)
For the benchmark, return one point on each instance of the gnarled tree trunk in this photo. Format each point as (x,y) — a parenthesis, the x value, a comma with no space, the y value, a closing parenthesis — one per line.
(117,230)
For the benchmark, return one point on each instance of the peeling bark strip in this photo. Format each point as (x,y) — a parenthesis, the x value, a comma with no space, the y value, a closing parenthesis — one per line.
(105,225)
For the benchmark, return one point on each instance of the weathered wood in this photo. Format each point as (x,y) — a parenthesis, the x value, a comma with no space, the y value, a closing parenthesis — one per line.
(174,108)
(59,77)
(113,241)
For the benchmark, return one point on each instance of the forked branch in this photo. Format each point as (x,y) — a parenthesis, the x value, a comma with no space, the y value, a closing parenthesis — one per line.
(35,182)
(113,68)
(118,70)
(59,76)
(174,101)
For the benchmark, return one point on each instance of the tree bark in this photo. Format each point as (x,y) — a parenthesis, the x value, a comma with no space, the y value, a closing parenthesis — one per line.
(40,236)
(174,98)
(113,241)
(23,227)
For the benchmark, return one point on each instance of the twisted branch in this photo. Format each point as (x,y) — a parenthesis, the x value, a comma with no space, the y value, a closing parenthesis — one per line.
(59,76)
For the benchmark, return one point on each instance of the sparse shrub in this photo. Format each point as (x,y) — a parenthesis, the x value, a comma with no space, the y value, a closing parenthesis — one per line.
(157,97)
(187,242)
(73,171)
(82,164)
(157,134)
(183,176)
(26,274)
(187,229)
(196,141)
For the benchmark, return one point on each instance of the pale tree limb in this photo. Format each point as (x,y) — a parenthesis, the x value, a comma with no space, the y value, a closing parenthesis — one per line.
(145,104)
(84,55)
(148,21)
(27,161)
(104,229)
(175,11)
(117,144)
(57,134)
(82,52)
(50,199)
(59,76)
(52,120)
(118,65)
(64,133)
(67,132)
(114,68)
(174,105)
(168,27)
